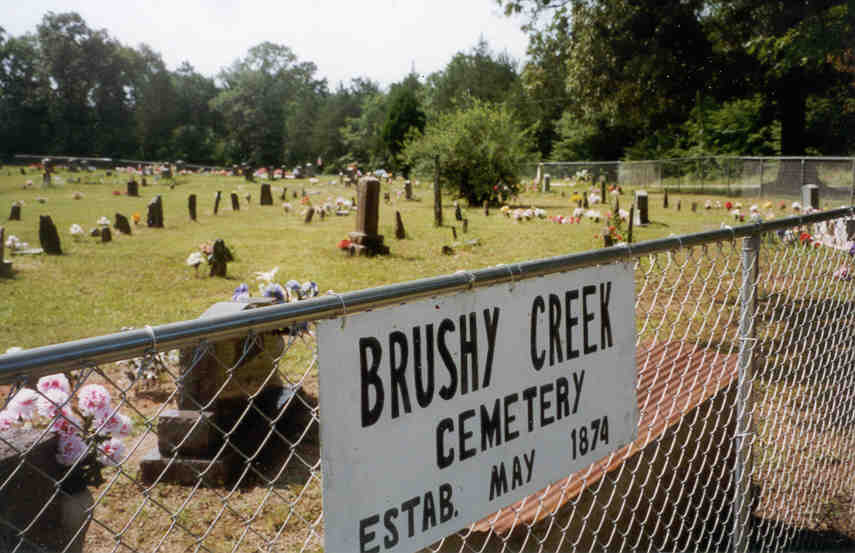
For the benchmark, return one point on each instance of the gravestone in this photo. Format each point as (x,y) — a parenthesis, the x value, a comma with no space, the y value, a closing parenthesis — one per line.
(617,204)
(629,228)
(48,236)
(547,182)
(585,200)
(266,195)
(642,215)
(603,192)
(458,215)
(217,199)
(294,195)
(810,196)
(284,195)
(219,258)
(487,208)
(694,207)
(386,197)
(310,212)
(106,235)
(850,230)
(191,206)
(665,199)
(235,202)
(454,233)
(144,182)
(154,218)
(365,240)
(679,204)
(400,233)
(408,190)
(465,226)
(15,213)
(133,189)
(122,224)
(5,266)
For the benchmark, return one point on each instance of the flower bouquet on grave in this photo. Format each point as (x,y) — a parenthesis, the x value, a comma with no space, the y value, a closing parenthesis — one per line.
(89,431)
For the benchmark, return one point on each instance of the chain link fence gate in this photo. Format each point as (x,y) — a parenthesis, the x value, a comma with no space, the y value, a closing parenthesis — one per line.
(203,435)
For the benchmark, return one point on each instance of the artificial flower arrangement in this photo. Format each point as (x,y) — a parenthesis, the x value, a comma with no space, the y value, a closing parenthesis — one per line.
(89,432)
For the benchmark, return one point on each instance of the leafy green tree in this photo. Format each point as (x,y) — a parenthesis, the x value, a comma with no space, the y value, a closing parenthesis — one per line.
(363,135)
(24,110)
(481,149)
(404,114)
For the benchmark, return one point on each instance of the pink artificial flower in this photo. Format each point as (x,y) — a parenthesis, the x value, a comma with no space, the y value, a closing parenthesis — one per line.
(116,425)
(71,448)
(24,403)
(94,400)
(66,422)
(52,401)
(111,452)
(7,420)
(54,381)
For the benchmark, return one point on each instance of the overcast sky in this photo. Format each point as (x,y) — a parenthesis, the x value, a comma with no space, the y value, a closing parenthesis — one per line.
(379,39)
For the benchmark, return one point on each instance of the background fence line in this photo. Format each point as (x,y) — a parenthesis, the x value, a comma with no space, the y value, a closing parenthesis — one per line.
(762,458)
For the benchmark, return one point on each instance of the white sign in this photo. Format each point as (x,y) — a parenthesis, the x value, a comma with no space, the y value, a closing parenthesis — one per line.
(437,413)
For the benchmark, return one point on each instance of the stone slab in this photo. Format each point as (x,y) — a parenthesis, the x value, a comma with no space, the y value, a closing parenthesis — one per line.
(188,433)
(185,471)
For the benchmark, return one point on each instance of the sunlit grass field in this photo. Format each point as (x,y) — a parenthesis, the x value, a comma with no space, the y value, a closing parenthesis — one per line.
(142,279)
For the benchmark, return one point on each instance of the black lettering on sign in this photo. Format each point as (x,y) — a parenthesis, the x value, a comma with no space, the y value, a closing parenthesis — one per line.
(465,452)
(468,353)
(587,317)
(491,426)
(578,380)
(570,321)
(369,380)
(366,537)
(428,513)
(528,395)
(537,360)
(398,360)
(391,540)
(554,329)
(562,403)
(424,391)
(492,325)
(446,507)
(498,481)
(510,399)
(499,484)
(409,507)
(605,320)
(443,458)
(447,392)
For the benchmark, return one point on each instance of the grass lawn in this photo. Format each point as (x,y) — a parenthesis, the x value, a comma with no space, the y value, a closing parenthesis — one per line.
(96,288)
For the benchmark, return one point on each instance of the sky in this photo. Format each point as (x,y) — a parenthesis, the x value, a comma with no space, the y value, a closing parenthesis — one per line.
(378,39)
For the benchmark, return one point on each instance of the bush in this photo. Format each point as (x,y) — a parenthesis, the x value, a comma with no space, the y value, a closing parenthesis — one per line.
(481,147)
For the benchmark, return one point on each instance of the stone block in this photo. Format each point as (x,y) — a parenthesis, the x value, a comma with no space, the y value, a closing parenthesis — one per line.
(155,467)
(189,433)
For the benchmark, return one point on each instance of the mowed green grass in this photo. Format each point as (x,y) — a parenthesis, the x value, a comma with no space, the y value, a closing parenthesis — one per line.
(96,288)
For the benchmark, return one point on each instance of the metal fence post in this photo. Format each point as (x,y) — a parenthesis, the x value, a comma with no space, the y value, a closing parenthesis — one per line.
(742,499)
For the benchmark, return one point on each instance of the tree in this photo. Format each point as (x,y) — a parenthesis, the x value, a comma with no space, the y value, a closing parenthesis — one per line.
(363,135)
(481,148)
(404,114)
(23,97)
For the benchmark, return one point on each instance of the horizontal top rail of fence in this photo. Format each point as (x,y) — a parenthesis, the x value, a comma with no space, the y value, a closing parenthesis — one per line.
(122,345)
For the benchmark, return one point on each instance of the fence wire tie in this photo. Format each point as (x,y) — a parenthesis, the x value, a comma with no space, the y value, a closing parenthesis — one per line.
(151,333)
(513,280)
(343,307)
(470,277)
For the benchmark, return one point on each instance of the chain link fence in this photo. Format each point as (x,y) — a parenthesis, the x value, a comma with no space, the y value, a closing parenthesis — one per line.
(203,435)
(747,176)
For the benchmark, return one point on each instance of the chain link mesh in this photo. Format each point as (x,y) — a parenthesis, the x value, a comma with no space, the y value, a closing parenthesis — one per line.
(746,394)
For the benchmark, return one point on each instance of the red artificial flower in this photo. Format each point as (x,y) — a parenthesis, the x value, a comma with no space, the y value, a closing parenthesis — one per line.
(728,205)
(344,244)
(117,192)
(804,237)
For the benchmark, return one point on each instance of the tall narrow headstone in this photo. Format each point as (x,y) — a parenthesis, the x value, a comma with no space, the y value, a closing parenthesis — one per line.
(217,199)
(679,205)
(219,258)
(309,214)
(810,196)
(235,202)
(266,195)
(5,266)
(458,215)
(191,206)
(454,232)
(408,190)
(547,182)
(106,235)
(665,199)
(603,191)
(694,207)
(132,188)
(365,239)
(400,233)
(642,215)
(487,207)
(15,213)
(122,224)
(629,229)
(48,236)
(154,218)
(284,195)
(465,226)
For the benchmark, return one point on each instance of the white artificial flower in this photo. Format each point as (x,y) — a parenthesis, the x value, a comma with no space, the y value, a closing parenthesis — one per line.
(195,259)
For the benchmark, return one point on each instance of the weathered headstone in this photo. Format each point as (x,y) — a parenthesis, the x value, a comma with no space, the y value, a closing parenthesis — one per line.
(191,206)
(694,207)
(365,239)
(665,199)
(106,235)
(15,213)
(266,195)
(679,205)
(458,215)
(810,196)
(642,216)
(603,196)
(629,228)
(219,258)
(850,230)
(465,226)
(454,232)
(547,182)
(294,195)
(133,189)
(487,208)
(154,218)
(310,212)
(217,199)
(408,190)
(235,202)
(5,266)
(48,236)
(585,200)
(144,182)
(122,224)
(400,233)
(284,195)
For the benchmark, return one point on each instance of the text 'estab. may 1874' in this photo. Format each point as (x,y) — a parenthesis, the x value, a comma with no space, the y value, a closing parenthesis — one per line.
(437,413)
